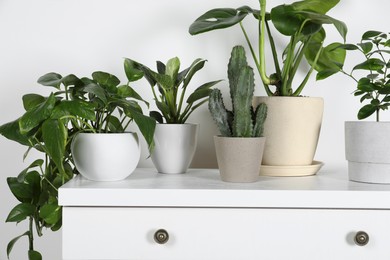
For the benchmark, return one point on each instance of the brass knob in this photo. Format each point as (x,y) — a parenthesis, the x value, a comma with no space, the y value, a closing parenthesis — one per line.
(361,238)
(161,236)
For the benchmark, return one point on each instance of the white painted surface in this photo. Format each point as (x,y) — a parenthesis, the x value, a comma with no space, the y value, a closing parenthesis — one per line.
(273,219)
(72,36)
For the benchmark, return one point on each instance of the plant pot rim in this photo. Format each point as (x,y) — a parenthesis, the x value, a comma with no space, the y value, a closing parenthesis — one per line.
(288,97)
(233,137)
(91,133)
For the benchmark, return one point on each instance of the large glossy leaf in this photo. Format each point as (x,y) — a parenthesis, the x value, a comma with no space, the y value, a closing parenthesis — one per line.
(22,175)
(11,131)
(70,80)
(50,213)
(98,91)
(20,212)
(172,68)
(114,125)
(126,91)
(32,100)
(370,34)
(217,19)
(106,79)
(366,111)
(132,73)
(318,6)
(13,241)
(51,79)
(330,60)
(34,117)
(23,191)
(34,255)
(146,125)
(196,65)
(285,20)
(55,136)
(74,107)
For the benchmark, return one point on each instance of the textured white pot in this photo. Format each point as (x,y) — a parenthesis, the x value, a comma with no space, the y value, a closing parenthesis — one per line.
(106,156)
(175,146)
(239,159)
(292,129)
(367,149)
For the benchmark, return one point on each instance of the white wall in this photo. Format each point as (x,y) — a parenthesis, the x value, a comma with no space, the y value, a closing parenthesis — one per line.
(79,37)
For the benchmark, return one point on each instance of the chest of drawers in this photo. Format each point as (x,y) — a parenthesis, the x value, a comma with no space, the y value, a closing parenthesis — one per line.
(197,216)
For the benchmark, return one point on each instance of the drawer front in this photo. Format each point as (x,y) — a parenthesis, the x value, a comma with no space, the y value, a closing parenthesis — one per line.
(200,233)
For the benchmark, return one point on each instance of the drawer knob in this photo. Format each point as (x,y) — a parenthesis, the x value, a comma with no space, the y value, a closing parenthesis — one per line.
(361,238)
(161,236)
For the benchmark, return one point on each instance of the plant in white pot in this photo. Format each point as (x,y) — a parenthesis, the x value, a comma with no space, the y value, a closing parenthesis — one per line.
(49,125)
(175,140)
(294,122)
(240,146)
(367,142)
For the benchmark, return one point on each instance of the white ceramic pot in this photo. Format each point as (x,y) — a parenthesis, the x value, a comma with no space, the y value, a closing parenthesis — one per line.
(367,149)
(292,129)
(239,158)
(106,156)
(175,146)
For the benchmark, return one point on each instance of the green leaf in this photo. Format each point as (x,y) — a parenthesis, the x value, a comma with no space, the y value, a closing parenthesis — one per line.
(32,100)
(98,91)
(366,111)
(50,213)
(74,107)
(132,73)
(370,64)
(126,91)
(20,212)
(317,6)
(22,191)
(196,65)
(285,20)
(51,79)
(34,117)
(146,125)
(106,79)
(366,47)
(71,80)
(172,68)
(202,91)
(34,255)
(55,135)
(157,116)
(219,18)
(349,47)
(370,34)
(13,241)
(11,131)
(114,125)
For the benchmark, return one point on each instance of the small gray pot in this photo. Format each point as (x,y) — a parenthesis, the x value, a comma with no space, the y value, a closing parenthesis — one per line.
(239,159)
(367,149)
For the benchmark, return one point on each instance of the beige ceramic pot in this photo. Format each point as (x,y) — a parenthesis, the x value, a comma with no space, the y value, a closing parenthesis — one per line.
(239,159)
(292,129)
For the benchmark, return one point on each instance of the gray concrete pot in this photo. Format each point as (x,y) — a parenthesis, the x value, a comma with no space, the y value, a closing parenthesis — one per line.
(239,159)
(367,149)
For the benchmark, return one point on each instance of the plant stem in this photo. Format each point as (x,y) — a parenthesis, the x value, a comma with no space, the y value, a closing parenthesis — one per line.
(263,74)
(31,235)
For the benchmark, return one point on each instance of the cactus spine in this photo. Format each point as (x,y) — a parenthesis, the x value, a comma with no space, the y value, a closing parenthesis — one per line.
(240,122)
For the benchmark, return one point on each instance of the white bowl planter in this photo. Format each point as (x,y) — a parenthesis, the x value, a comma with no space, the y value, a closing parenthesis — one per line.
(367,149)
(175,146)
(106,156)
(239,158)
(292,130)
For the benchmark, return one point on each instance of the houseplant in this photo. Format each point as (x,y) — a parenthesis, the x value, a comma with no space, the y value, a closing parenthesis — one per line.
(302,23)
(240,146)
(49,125)
(366,143)
(175,140)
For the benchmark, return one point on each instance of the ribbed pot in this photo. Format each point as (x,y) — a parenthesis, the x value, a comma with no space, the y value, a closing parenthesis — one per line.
(292,129)
(239,159)
(367,151)
(175,146)
(106,156)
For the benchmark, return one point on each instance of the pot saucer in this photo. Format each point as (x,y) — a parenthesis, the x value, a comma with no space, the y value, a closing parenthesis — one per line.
(290,171)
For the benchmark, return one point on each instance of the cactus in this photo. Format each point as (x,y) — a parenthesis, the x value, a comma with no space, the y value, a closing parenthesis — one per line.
(241,121)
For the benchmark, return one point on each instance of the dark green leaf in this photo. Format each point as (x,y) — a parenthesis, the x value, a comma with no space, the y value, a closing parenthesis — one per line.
(51,79)
(126,91)
(132,73)
(105,79)
(349,47)
(321,7)
(11,131)
(22,191)
(55,135)
(172,68)
(96,90)
(50,213)
(285,20)
(196,65)
(366,96)
(366,111)
(34,255)
(366,47)
(32,100)
(13,241)
(157,116)
(74,107)
(146,125)
(216,19)
(370,64)
(20,212)
(71,80)
(199,94)
(375,102)
(34,117)
(114,125)
(370,34)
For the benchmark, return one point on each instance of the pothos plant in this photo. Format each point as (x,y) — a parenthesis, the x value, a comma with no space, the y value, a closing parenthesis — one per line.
(169,86)
(302,22)
(373,89)
(99,104)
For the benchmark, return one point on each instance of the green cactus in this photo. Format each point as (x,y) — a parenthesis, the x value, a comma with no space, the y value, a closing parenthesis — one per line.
(241,121)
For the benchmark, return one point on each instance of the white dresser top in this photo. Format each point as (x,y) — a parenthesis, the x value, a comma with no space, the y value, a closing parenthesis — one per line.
(203,188)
